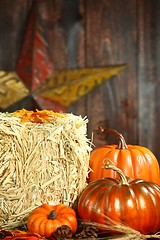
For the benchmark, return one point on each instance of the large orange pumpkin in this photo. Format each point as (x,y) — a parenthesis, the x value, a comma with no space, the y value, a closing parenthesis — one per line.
(45,219)
(134,160)
(135,203)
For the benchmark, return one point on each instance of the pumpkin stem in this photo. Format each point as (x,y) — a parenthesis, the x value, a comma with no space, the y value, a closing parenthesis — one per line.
(52,215)
(122,143)
(119,171)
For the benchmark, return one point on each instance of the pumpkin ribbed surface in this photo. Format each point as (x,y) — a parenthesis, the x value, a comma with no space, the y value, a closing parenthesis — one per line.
(133,202)
(45,219)
(134,160)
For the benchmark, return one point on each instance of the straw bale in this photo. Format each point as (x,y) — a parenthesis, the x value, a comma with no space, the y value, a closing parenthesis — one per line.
(44,158)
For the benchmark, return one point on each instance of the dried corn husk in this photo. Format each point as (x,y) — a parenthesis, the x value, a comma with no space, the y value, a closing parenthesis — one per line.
(44,158)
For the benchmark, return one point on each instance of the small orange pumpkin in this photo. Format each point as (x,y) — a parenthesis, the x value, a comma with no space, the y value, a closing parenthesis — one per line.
(45,219)
(134,160)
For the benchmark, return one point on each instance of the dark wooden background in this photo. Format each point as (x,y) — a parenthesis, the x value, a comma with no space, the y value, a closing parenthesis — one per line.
(92,33)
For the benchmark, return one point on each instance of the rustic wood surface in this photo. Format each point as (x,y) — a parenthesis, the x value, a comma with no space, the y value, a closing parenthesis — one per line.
(90,33)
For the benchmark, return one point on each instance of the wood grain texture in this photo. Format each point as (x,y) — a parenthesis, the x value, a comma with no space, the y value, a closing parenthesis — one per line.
(111,40)
(13,18)
(148,74)
(96,33)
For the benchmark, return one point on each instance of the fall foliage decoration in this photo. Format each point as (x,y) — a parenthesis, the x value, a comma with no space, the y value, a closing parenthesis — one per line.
(45,219)
(134,160)
(38,116)
(20,235)
(135,203)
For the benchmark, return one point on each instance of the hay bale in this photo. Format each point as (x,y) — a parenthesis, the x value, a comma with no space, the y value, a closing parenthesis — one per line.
(44,157)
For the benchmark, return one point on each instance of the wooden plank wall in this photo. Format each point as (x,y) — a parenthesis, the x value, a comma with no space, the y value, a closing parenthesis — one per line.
(89,33)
